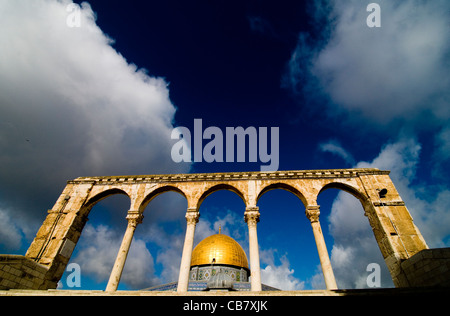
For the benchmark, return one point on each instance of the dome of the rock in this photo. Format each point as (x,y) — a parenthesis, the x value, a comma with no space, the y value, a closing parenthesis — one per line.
(218,263)
(219,249)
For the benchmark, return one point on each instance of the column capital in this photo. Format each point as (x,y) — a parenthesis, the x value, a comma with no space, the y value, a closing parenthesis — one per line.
(192,217)
(134,218)
(251,215)
(312,213)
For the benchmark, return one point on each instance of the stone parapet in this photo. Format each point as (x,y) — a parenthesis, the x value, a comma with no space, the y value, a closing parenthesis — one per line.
(429,267)
(19,272)
(256,175)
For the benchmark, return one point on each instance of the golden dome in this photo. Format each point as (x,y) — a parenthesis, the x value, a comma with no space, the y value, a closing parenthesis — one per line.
(222,248)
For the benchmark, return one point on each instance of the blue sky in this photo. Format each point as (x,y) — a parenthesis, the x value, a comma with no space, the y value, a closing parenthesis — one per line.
(104,97)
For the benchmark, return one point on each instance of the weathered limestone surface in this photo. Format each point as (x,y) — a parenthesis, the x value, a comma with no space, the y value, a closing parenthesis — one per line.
(429,267)
(19,272)
(397,236)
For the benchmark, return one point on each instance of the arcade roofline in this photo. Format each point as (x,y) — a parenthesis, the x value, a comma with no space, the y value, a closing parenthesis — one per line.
(249,175)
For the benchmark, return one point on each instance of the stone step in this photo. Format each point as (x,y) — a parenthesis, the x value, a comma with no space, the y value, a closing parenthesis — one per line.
(18,292)
(426,291)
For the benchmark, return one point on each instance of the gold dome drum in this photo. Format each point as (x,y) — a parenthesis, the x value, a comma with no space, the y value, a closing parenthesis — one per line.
(221,249)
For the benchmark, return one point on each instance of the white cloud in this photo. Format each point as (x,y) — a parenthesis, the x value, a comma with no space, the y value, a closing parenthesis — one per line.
(139,270)
(317,280)
(354,244)
(167,247)
(336,148)
(278,276)
(396,76)
(397,71)
(97,256)
(428,204)
(401,158)
(71,105)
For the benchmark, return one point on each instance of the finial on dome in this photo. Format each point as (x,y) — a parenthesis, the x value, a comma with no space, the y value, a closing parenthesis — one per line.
(220,229)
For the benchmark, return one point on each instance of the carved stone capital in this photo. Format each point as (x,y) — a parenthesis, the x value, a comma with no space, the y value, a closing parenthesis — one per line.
(192,217)
(134,218)
(313,213)
(251,216)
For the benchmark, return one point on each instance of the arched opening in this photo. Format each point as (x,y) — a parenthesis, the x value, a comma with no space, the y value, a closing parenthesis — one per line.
(157,192)
(284,186)
(288,260)
(221,212)
(158,240)
(346,188)
(222,206)
(101,196)
(97,248)
(220,187)
(354,253)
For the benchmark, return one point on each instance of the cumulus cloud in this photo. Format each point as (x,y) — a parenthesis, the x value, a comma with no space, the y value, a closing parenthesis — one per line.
(71,105)
(428,204)
(96,258)
(280,275)
(354,244)
(396,72)
(166,244)
(396,78)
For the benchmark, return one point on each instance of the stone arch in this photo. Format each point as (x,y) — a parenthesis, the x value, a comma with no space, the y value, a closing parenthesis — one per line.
(365,209)
(218,187)
(362,197)
(291,220)
(151,195)
(282,186)
(98,196)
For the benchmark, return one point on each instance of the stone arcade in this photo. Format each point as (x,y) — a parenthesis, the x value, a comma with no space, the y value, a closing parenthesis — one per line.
(397,236)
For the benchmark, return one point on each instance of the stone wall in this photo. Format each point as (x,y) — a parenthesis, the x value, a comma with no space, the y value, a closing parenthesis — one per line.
(429,267)
(19,272)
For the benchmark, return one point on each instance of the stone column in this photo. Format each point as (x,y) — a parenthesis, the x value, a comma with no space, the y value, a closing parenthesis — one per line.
(192,217)
(251,218)
(313,212)
(134,218)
